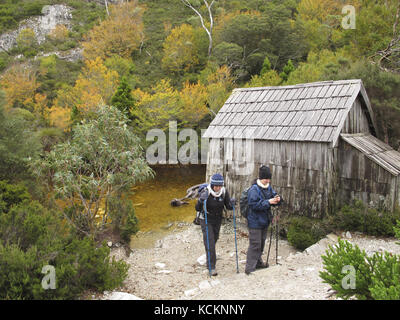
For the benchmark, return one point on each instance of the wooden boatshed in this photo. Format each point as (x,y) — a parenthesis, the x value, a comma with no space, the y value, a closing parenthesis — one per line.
(319,140)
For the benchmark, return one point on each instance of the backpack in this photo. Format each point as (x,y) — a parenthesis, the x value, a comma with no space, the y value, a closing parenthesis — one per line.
(244,202)
(198,214)
(197,218)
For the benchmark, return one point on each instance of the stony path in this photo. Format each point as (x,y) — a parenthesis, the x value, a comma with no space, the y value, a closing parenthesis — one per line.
(171,270)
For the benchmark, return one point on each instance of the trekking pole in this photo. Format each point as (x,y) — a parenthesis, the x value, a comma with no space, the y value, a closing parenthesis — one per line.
(208,242)
(277,238)
(269,247)
(234,227)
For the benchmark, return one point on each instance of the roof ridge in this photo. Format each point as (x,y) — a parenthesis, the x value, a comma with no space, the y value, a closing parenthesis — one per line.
(300,85)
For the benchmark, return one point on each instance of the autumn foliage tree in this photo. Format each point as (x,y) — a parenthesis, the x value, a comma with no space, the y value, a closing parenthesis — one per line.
(19,83)
(95,85)
(156,109)
(180,52)
(194,104)
(120,34)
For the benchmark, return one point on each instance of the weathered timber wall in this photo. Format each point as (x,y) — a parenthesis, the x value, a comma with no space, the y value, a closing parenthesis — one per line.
(301,171)
(356,121)
(363,179)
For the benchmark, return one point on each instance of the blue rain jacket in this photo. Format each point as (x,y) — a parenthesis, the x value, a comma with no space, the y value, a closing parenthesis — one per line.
(259,212)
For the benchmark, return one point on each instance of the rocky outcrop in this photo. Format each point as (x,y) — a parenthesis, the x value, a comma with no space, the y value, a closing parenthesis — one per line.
(52,15)
(72,55)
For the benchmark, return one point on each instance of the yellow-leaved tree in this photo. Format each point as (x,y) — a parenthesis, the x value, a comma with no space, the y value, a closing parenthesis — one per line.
(156,109)
(180,52)
(219,87)
(120,34)
(194,104)
(95,85)
(20,84)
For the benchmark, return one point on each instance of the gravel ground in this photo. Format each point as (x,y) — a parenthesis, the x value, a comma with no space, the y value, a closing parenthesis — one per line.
(170,270)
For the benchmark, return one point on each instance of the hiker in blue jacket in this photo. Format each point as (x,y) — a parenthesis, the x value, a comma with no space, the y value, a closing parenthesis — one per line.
(217,199)
(261,197)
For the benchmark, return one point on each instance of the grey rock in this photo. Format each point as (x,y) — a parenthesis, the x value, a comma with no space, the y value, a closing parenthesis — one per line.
(121,296)
(191,292)
(53,15)
(204,285)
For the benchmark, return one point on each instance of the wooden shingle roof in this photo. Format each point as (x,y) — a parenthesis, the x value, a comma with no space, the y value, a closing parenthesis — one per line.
(376,150)
(307,112)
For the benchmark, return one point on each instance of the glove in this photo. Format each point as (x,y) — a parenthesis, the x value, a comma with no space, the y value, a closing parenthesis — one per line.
(233,202)
(203,196)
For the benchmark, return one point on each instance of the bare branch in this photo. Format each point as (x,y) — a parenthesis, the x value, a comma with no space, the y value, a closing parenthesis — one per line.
(106,4)
(391,52)
(208,30)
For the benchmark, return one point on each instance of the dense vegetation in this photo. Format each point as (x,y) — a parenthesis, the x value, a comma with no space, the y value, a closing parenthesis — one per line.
(303,231)
(154,62)
(162,51)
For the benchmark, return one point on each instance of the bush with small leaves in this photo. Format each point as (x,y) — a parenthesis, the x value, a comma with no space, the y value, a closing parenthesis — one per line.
(357,217)
(345,254)
(375,277)
(33,237)
(304,232)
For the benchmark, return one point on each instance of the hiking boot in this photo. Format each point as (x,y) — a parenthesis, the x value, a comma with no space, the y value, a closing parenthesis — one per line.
(262,265)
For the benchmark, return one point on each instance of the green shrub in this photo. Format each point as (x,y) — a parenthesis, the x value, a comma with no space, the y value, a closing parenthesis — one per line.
(376,277)
(345,254)
(304,232)
(12,194)
(124,220)
(357,217)
(349,218)
(386,277)
(20,276)
(379,224)
(32,237)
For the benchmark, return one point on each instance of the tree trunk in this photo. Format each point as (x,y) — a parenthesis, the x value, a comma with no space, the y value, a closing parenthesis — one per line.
(208,30)
(106,4)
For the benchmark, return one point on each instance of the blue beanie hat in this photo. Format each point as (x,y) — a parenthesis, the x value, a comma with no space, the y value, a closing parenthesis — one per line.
(217,180)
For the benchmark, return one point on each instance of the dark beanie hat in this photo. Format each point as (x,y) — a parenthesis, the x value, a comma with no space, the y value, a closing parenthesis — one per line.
(264,173)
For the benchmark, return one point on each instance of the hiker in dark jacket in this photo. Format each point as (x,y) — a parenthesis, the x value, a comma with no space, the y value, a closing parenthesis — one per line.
(217,199)
(261,197)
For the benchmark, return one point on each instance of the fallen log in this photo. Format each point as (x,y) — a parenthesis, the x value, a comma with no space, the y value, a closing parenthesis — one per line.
(191,193)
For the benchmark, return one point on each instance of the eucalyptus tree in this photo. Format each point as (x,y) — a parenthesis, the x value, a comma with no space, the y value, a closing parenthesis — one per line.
(100,163)
(192,4)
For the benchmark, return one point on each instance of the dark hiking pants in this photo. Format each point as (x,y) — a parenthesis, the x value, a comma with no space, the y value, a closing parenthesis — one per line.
(257,239)
(213,235)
